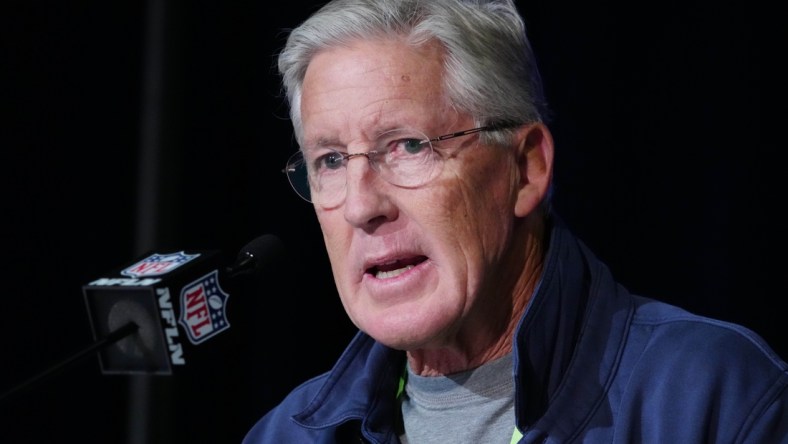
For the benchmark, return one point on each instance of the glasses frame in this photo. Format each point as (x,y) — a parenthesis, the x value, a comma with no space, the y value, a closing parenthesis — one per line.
(289,168)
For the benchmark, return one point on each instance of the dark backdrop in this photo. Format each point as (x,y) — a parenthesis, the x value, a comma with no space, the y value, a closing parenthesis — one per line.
(133,125)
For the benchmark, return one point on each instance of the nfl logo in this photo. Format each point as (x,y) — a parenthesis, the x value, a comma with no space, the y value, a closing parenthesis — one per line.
(203,308)
(158,264)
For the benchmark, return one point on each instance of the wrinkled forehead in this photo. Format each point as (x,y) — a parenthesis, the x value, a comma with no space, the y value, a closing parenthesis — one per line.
(369,87)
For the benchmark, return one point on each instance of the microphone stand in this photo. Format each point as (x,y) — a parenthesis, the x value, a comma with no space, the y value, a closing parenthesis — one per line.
(110,339)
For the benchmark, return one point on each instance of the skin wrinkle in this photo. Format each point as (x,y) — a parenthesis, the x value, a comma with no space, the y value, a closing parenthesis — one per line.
(497,310)
(464,222)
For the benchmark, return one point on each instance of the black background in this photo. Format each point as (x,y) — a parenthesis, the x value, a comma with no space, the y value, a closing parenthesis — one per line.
(666,124)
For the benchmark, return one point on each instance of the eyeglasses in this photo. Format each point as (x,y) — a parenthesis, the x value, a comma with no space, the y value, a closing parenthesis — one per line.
(401,157)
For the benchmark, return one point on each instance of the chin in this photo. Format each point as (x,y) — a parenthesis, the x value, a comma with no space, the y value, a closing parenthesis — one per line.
(399,342)
(405,333)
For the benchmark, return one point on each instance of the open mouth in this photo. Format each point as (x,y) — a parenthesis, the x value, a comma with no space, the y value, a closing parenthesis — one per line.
(395,268)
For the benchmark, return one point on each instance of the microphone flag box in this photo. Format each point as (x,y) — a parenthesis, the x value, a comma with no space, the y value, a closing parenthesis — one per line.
(175,299)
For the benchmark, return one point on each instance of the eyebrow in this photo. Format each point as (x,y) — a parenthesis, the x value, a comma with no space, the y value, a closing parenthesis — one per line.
(373,134)
(323,142)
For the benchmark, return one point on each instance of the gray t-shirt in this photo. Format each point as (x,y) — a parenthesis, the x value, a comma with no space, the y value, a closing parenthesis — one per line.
(476,406)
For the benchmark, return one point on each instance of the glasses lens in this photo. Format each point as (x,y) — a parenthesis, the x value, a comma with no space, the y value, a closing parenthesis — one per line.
(402,157)
(406,158)
(298,177)
(325,184)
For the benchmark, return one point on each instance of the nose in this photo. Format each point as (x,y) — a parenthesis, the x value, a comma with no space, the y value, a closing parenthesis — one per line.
(367,200)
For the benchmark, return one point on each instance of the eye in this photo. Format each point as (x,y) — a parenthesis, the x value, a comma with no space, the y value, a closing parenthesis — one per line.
(413,146)
(404,148)
(331,161)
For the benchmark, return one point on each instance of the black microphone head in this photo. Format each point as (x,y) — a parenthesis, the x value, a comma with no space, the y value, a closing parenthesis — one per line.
(257,254)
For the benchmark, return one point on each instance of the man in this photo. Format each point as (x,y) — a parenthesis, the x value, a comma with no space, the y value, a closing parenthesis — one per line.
(426,153)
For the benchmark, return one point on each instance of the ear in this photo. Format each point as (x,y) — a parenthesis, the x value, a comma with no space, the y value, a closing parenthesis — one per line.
(535,154)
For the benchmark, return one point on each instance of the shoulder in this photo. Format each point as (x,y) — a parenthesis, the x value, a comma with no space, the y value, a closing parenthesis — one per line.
(673,334)
(714,372)
(684,375)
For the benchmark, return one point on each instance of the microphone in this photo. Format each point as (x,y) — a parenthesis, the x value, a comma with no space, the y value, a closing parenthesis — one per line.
(136,311)
(256,255)
(176,299)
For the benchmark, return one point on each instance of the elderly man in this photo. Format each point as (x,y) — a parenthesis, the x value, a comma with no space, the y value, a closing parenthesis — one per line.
(426,153)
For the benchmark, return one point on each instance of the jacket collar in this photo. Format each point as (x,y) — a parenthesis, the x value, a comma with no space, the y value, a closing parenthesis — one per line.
(362,385)
(570,339)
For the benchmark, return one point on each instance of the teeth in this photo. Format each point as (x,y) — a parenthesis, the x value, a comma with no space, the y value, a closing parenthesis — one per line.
(392,273)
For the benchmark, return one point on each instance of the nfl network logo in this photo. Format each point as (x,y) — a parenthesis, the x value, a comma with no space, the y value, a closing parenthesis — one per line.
(203,308)
(158,264)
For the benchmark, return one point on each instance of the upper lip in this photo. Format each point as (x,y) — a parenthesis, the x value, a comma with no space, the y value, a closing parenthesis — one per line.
(392,260)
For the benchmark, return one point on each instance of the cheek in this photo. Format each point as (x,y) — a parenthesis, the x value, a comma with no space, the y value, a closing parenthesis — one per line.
(336,236)
(486,207)
(483,200)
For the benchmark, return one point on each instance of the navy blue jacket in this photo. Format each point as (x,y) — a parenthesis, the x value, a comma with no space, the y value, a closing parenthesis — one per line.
(593,364)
